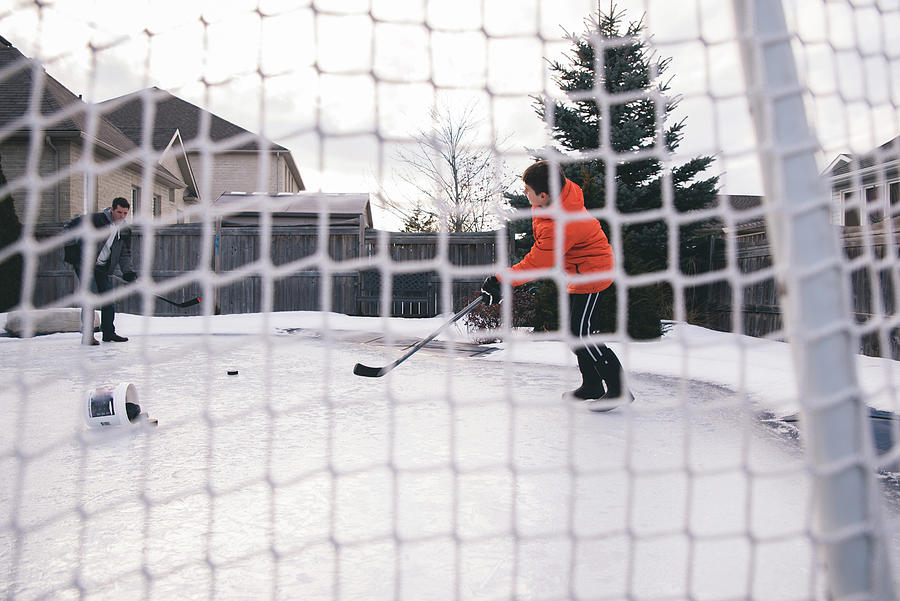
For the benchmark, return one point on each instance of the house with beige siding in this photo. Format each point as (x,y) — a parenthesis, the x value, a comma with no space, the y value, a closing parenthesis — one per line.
(84,154)
(60,157)
(212,155)
(865,188)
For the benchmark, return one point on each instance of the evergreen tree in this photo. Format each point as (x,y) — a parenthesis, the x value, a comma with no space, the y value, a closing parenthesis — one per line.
(11,268)
(420,220)
(629,67)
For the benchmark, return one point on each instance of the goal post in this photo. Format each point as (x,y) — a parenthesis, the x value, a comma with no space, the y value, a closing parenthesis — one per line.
(814,296)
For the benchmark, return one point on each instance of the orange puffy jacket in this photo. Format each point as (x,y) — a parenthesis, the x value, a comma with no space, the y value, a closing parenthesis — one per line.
(585,250)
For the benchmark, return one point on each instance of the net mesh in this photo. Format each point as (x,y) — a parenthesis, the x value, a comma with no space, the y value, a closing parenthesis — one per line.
(275,472)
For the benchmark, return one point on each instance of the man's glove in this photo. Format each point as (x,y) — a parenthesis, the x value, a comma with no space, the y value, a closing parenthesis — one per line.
(490,291)
(129,276)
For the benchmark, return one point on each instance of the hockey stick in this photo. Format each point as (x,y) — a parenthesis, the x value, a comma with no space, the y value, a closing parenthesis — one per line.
(376,372)
(184,305)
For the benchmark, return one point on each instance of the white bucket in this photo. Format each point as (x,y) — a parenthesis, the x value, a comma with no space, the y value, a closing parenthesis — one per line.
(105,406)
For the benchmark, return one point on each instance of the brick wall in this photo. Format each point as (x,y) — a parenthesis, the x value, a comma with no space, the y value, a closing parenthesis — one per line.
(120,182)
(239,172)
(65,198)
(54,199)
(231,171)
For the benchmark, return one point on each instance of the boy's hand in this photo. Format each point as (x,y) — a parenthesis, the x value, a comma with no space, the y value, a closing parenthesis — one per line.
(129,276)
(490,291)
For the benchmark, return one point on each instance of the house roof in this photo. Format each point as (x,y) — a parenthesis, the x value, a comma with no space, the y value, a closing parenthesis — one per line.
(890,150)
(67,113)
(742,202)
(171,113)
(339,206)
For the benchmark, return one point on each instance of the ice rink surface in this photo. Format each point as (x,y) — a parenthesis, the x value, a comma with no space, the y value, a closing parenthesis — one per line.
(452,477)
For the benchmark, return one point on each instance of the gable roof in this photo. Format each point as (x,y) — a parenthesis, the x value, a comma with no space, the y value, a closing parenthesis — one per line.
(848,163)
(67,113)
(176,146)
(171,113)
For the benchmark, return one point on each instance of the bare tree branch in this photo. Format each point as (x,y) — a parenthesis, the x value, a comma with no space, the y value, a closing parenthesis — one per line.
(455,180)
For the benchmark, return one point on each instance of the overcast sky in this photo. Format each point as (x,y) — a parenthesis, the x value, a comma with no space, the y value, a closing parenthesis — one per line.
(339,82)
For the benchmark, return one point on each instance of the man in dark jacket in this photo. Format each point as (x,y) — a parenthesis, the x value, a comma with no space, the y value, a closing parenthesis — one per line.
(112,249)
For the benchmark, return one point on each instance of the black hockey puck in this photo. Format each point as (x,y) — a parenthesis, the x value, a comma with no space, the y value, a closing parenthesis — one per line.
(232,372)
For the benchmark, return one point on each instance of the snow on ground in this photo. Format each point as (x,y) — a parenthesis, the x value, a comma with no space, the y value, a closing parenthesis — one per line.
(762,369)
(454,477)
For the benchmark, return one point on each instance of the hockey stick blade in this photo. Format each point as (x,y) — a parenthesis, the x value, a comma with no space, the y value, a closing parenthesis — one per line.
(376,372)
(184,305)
(370,372)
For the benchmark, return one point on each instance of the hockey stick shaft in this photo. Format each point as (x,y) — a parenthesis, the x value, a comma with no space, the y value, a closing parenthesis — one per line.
(376,372)
(188,303)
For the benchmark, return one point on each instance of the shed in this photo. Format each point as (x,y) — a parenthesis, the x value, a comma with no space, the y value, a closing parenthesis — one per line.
(299,209)
(302,208)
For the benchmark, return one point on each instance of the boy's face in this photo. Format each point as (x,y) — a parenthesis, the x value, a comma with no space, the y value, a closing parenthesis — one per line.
(536,200)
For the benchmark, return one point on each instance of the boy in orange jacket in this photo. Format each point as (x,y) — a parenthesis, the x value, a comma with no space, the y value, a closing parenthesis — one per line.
(585,250)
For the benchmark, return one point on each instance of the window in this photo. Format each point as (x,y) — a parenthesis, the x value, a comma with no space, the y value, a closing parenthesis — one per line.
(135,200)
(157,205)
(874,207)
(877,206)
(851,209)
(92,192)
(179,214)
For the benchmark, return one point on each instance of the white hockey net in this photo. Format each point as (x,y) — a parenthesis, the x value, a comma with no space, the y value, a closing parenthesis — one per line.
(759,459)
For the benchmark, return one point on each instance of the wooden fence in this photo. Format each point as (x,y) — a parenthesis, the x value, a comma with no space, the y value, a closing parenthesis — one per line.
(296,277)
(236,281)
(712,305)
(871,287)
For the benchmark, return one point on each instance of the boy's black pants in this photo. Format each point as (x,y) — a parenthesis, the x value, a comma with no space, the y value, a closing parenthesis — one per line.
(595,359)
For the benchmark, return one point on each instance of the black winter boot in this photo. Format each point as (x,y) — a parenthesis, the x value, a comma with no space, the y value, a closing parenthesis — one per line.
(592,383)
(611,373)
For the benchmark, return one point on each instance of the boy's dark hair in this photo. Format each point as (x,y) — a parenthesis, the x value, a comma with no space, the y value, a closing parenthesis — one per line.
(537,176)
(118,201)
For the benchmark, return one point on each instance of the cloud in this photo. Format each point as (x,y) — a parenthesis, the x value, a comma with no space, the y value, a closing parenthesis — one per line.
(338,81)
